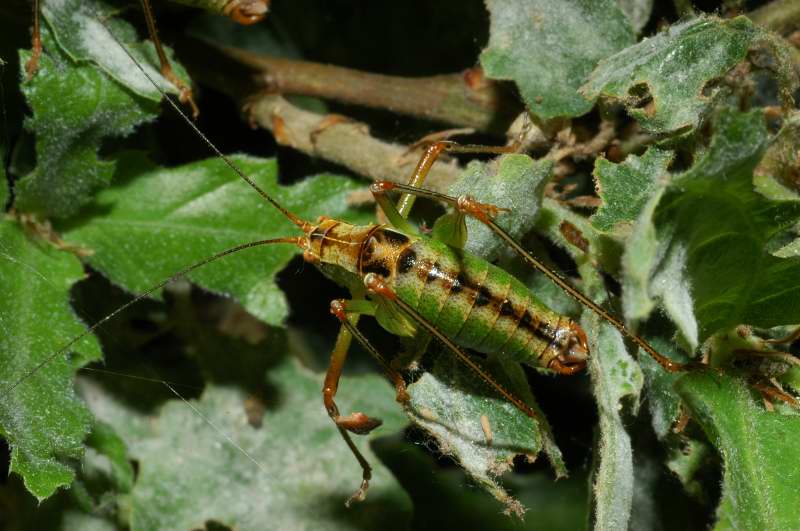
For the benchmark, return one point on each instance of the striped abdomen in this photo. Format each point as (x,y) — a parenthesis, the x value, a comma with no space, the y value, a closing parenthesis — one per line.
(476,304)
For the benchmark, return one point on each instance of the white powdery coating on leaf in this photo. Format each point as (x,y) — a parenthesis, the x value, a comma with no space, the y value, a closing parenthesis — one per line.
(101,46)
(672,284)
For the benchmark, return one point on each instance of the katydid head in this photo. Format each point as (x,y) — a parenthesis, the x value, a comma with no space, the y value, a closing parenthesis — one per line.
(574,353)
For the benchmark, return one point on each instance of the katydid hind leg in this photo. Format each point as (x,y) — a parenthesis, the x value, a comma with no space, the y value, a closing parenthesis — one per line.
(485,213)
(378,287)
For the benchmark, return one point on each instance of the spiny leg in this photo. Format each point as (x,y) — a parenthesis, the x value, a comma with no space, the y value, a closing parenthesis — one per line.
(185,92)
(485,213)
(348,314)
(343,309)
(355,422)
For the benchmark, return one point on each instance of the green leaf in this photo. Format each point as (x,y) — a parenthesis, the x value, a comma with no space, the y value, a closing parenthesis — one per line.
(666,81)
(176,217)
(190,474)
(109,444)
(89,32)
(662,401)
(549,49)
(686,462)
(732,276)
(85,91)
(626,187)
(759,483)
(452,405)
(615,376)
(40,416)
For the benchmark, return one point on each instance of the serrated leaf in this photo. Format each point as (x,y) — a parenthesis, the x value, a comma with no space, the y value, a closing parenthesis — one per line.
(89,31)
(626,187)
(456,409)
(759,487)
(665,81)
(75,107)
(154,223)
(190,474)
(549,48)
(714,272)
(40,417)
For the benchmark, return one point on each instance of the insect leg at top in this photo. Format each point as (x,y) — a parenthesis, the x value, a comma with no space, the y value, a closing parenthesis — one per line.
(486,214)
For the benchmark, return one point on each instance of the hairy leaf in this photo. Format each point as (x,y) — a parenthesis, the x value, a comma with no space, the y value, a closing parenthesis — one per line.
(77,106)
(177,217)
(40,416)
(759,485)
(615,376)
(296,473)
(450,400)
(626,187)
(549,48)
(667,82)
(722,258)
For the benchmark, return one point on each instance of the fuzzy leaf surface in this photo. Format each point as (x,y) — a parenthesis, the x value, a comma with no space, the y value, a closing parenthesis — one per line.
(77,106)
(732,276)
(177,217)
(759,487)
(41,417)
(549,48)
(665,81)
(190,474)
(626,187)
(449,400)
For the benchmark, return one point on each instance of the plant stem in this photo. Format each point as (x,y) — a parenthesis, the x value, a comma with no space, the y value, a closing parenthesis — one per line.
(337,139)
(464,99)
(332,137)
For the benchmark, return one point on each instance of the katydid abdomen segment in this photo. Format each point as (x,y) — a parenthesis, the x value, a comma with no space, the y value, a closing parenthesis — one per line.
(476,304)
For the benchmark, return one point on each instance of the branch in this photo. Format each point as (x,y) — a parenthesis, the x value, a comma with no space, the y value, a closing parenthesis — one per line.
(464,99)
(337,139)
(333,137)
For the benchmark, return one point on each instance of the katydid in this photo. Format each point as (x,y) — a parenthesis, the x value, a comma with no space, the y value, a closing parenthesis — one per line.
(413,284)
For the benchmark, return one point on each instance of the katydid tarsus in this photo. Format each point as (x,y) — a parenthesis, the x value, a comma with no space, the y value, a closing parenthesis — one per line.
(414,285)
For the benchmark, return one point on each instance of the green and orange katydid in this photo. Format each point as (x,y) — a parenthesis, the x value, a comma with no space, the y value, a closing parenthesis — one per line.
(414,284)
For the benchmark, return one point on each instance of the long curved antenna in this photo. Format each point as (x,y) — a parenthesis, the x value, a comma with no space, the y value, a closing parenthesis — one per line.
(295,240)
(302,224)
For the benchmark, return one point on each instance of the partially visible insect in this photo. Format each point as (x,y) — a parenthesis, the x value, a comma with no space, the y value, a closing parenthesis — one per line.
(415,284)
(244,12)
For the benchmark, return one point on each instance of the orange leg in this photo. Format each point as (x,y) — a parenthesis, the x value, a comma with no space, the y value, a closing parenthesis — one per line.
(185,92)
(357,422)
(36,43)
(485,213)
